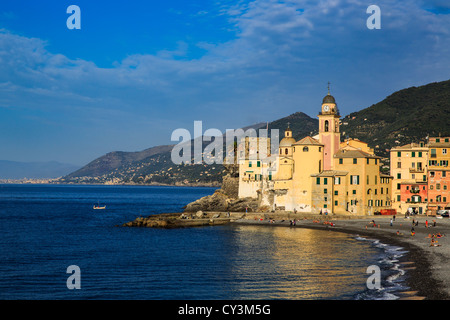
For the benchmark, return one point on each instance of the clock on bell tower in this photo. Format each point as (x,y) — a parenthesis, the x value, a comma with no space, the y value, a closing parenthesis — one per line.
(329,134)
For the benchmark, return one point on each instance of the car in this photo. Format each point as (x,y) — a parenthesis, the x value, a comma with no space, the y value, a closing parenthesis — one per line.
(443,213)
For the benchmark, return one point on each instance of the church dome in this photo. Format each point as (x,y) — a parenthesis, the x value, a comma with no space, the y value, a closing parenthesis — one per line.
(329,99)
(287,142)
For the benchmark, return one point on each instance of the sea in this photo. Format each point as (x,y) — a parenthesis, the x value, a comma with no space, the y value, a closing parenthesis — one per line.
(55,246)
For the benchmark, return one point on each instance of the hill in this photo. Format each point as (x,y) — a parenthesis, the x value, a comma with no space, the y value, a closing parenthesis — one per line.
(405,116)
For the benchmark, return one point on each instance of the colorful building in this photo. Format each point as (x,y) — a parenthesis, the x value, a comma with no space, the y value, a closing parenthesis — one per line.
(438,173)
(319,174)
(409,170)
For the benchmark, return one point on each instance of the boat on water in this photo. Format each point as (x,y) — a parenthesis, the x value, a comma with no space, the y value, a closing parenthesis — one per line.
(97,207)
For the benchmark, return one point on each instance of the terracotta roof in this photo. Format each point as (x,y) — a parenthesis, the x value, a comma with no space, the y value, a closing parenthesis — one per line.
(354,154)
(308,141)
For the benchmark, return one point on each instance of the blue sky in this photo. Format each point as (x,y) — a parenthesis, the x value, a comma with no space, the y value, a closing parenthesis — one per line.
(137,70)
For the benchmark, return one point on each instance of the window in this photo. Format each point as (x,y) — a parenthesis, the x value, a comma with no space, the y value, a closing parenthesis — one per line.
(398,198)
(317,180)
(446,140)
(381,190)
(376,179)
(336,192)
(438,140)
(399,175)
(399,165)
(355,161)
(258,164)
(431,174)
(444,174)
(424,178)
(335,203)
(376,191)
(399,154)
(341,161)
(420,154)
(398,186)
(444,151)
(326,126)
(249,164)
(433,153)
(305,149)
(325,191)
(413,154)
(438,186)
(354,179)
(325,180)
(354,192)
(337,180)
(367,180)
(367,160)
(286,151)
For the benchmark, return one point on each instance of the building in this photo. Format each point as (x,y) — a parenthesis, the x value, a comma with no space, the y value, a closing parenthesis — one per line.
(318,174)
(438,173)
(408,165)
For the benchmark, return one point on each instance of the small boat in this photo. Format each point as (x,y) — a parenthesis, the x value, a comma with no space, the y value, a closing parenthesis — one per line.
(97,207)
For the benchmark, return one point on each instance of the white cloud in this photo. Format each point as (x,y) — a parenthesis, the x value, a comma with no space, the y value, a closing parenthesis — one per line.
(279,62)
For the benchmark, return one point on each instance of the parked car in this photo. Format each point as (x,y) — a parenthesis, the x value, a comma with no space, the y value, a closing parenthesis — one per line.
(443,213)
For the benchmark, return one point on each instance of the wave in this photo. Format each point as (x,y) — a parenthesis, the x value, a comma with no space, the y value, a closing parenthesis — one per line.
(393,277)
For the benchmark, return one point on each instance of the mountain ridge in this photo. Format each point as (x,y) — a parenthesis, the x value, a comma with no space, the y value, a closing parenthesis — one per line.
(404,116)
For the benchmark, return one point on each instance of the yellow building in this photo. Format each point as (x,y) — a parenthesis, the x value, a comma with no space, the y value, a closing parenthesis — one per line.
(319,175)
(408,165)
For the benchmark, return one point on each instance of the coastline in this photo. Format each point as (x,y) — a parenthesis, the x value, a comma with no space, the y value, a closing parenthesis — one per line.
(428,273)
(427,268)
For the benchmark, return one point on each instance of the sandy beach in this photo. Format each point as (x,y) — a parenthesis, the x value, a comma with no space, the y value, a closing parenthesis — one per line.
(427,266)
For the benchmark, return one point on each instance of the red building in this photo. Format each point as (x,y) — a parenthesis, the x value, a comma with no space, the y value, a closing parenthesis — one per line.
(414,194)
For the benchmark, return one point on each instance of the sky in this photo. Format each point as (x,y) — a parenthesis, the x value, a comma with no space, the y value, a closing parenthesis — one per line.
(137,70)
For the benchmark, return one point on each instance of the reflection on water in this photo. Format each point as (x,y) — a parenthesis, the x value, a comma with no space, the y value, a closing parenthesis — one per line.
(295,263)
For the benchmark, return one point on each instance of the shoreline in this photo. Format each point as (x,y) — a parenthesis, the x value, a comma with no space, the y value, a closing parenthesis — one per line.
(427,267)
(426,277)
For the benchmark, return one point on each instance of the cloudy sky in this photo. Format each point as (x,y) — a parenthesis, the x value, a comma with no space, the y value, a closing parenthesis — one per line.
(137,70)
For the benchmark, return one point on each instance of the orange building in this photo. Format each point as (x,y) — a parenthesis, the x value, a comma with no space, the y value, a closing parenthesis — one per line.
(438,173)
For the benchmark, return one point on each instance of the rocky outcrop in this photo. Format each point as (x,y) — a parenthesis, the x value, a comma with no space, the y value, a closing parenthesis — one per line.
(225,199)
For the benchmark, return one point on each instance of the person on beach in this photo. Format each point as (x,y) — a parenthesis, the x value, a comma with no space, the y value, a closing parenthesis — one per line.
(413,232)
(391,222)
(426,223)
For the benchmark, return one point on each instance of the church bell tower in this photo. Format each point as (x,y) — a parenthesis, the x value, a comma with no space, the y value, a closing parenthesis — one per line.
(329,134)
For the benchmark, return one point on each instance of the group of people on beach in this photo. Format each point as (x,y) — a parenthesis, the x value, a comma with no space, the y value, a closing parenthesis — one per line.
(434,237)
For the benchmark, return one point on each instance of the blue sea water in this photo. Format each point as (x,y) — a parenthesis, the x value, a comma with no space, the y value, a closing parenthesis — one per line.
(44,229)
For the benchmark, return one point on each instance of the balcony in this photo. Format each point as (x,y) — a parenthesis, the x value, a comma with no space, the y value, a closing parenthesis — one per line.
(416,170)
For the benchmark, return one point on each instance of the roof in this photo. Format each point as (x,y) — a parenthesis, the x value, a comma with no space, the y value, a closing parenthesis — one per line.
(308,141)
(329,99)
(411,146)
(342,153)
(287,142)
(330,173)
(439,145)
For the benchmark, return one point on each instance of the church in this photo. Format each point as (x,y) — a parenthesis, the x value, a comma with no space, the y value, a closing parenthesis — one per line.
(316,174)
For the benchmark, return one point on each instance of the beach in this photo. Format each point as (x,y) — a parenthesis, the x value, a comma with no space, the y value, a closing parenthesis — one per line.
(427,266)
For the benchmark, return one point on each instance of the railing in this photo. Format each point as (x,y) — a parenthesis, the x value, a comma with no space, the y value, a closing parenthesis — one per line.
(416,170)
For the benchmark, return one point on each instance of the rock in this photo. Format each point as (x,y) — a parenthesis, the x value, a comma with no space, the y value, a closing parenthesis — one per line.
(199,214)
